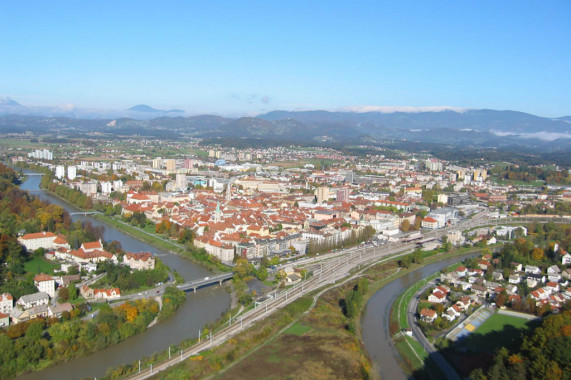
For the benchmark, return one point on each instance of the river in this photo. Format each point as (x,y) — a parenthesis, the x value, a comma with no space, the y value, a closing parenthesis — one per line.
(200,308)
(375,322)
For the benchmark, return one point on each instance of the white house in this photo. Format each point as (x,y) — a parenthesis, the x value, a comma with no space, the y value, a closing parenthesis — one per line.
(31,300)
(139,261)
(437,297)
(6,303)
(532,269)
(108,294)
(514,279)
(45,284)
(45,240)
(428,315)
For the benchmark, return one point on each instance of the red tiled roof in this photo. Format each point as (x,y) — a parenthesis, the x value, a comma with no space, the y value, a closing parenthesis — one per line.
(38,235)
(92,245)
(60,240)
(141,256)
(42,277)
(7,296)
(428,312)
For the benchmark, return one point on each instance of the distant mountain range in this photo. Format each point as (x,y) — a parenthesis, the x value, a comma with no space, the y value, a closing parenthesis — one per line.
(142,111)
(146,108)
(474,128)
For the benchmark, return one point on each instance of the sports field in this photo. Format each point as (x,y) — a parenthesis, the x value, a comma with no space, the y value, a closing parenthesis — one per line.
(496,331)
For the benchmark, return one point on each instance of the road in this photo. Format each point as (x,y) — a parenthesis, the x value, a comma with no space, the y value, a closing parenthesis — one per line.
(333,267)
(332,271)
(446,368)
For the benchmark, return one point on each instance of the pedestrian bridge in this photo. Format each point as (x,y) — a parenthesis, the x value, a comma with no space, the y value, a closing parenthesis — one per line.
(219,279)
(84,213)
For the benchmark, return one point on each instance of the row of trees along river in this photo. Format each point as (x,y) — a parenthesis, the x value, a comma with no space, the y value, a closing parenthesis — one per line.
(199,309)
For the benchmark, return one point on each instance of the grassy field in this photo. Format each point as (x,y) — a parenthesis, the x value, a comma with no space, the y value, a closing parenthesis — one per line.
(497,331)
(40,265)
(417,359)
(477,349)
(400,311)
(298,329)
(317,346)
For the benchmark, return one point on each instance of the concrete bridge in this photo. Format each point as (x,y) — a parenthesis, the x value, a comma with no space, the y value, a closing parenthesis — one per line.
(206,281)
(84,213)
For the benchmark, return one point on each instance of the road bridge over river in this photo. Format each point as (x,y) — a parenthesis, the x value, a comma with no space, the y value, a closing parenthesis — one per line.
(206,281)
(338,266)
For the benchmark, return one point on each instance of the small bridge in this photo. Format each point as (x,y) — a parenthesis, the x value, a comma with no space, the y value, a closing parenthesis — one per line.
(36,174)
(205,281)
(84,213)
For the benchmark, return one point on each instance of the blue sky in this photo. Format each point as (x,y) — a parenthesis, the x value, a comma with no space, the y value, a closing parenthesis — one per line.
(248,57)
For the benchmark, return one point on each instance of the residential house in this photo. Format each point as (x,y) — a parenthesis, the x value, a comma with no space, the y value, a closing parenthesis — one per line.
(86,292)
(464,303)
(481,291)
(532,269)
(511,289)
(539,278)
(516,266)
(514,279)
(6,303)
(38,311)
(462,284)
(428,315)
(554,273)
(552,286)
(67,279)
(497,275)
(30,300)
(45,284)
(107,294)
(484,265)
(58,309)
(475,272)
(452,313)
(462,271)
(565,258)
(514,298)
(437,297)
(4,320)
(539,294)
(139,261)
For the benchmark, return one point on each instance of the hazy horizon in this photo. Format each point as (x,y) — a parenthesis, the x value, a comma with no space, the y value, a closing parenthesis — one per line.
(210,57)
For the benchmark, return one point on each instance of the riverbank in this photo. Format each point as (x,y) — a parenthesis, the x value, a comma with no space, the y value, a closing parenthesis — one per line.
(198,310)
(307,344)
(146,237)
(160,243)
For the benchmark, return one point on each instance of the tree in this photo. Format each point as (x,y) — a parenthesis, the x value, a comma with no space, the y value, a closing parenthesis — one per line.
(262,274)
(405,225)
(417,222)
(537,254)
(7,351)
(417,256)
(73,293)
(242,267)
(63,294)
